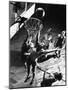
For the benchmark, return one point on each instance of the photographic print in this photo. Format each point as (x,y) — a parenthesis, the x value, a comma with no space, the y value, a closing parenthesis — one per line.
(37,39)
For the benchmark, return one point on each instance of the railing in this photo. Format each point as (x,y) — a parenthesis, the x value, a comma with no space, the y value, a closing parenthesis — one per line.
(27,14)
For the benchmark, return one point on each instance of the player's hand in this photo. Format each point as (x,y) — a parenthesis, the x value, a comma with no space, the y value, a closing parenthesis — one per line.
(26,53)
(42,50)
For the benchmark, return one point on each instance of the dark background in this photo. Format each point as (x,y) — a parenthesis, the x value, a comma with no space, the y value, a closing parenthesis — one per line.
(55,14)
